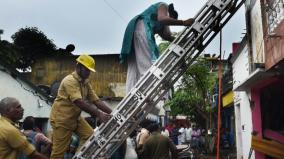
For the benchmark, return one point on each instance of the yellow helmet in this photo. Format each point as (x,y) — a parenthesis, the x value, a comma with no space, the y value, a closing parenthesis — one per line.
(87,61)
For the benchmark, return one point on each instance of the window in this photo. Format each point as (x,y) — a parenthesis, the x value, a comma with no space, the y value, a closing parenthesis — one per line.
(272,108)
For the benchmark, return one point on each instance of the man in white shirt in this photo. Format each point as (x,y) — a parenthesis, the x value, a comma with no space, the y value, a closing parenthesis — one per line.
(181,137)
(165,132)
(188,133)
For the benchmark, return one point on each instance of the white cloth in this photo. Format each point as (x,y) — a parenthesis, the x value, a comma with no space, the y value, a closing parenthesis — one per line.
(130,152)
(181,136)
(188,133)
(165,133)
(140,61)
(142,136)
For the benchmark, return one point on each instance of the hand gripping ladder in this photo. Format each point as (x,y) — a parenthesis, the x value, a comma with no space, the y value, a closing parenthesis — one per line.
(150,89)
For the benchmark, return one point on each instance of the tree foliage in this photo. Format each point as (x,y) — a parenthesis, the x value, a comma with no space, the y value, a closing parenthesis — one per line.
(191,97)
(182,102)
(163,46)
(9,53)
(194,89)
(31,44)
(199,78)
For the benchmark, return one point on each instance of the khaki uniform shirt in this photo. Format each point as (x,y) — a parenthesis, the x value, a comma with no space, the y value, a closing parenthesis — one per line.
(12,141)
(64,112)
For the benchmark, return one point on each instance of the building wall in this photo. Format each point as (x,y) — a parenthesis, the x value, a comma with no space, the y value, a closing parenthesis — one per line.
(274,28)
(34,104)
(264,48)
(241,66)
(262,107)
(108,81)
(243,119)
(267,47)
(243,124)
(238,128)
(256,32)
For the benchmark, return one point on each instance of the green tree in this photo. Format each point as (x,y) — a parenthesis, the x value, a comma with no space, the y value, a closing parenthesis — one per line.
(164,44)
(198,78)
(194,89)
(31,43)
(192,95)
(9,53)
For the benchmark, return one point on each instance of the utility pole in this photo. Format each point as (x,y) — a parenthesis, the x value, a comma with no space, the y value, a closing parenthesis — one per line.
(219,96)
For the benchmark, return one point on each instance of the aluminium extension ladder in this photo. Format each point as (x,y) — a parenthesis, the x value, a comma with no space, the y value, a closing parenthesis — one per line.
(150,89)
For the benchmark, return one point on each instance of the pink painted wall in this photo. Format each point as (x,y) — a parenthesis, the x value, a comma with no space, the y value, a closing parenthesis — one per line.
(256,110)
(256,118)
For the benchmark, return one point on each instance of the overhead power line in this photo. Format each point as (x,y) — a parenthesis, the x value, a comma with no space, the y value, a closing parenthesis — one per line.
(114,10)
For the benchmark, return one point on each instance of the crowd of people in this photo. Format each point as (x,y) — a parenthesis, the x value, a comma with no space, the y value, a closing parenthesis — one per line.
(151,141)
(184,135)
(146,142)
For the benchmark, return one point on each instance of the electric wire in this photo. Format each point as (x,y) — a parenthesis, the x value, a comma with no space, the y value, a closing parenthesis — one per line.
(114,10)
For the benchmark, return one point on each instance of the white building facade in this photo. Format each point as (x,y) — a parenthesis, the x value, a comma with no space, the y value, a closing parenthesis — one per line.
(243,119)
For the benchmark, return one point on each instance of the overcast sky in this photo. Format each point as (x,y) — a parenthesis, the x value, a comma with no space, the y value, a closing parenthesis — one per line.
(97,26)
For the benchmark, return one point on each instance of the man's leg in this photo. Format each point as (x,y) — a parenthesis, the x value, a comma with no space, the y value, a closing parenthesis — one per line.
(60,142)
(142,50)
(84,131)
(140,60)
(131,77)
(142,56)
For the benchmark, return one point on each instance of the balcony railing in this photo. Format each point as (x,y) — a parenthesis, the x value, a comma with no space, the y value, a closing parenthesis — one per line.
(275,12)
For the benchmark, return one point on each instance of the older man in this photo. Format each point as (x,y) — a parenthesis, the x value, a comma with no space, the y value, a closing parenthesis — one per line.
(12,141)
(75,94)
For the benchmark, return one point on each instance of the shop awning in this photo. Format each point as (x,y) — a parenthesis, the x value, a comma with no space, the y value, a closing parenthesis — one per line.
(227,99)
(253,79)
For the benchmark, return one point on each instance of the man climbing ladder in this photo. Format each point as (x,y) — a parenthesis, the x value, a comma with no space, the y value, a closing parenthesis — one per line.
(139,48)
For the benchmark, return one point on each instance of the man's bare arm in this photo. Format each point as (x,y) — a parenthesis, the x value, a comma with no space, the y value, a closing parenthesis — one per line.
(102,106)
(37,155)
(166,34)
(92,110)
(87,107)
(166,20)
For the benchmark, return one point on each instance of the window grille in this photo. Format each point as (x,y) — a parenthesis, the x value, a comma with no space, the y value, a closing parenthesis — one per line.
(275,13)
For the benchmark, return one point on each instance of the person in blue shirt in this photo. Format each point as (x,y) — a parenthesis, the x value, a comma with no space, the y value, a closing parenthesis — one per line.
(74,143)
(139,48)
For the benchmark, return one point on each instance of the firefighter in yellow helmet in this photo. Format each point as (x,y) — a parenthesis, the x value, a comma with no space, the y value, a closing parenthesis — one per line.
(74,95)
